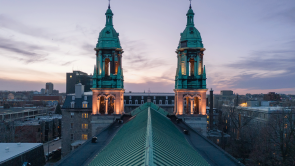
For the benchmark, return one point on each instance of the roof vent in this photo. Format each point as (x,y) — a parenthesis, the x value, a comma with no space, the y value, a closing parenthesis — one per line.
(19,144)
(7,149)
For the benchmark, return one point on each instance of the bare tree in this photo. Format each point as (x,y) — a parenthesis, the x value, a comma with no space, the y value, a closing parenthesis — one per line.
(276,144)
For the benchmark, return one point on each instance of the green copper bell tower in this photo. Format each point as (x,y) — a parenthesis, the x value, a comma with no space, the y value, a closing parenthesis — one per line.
(108,87)
(190,80)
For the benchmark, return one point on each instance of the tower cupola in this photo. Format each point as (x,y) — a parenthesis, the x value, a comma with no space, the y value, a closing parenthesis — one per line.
(190,37)
(108,37)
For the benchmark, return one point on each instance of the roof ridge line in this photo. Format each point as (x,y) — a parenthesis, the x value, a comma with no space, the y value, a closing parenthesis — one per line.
(149,141)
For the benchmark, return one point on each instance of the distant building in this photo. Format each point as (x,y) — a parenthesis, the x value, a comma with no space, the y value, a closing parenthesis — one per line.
(78,77)
(226,92)
(51,99)
(55,92)
(49,87)
(272,96)
(43,91)
(21,154)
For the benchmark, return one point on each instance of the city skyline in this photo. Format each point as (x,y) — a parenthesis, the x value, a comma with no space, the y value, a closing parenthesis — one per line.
(249,44)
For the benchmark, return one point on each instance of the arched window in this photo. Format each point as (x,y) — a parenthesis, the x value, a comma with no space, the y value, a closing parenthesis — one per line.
(107,67)
(183,68)
(116,68)
(191,67)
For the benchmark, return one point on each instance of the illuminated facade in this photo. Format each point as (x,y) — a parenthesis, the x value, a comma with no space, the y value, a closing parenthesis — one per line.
(190,80)
(108,88)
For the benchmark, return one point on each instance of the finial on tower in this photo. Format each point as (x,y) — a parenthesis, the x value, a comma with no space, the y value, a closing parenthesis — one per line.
(190,4)
(109,4)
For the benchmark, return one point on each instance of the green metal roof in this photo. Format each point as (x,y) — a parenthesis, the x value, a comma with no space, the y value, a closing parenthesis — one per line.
(149,139)
(108,37)
(190,34)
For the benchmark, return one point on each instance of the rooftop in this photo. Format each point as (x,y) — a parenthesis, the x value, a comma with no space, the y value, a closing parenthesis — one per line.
(150,137)
(19,110)
(15,149)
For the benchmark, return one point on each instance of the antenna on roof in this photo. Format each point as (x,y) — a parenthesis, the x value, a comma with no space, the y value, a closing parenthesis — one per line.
(190,5)
(109,4)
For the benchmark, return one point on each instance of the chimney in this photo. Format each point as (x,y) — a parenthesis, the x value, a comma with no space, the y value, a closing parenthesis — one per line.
(211,109)
(79,90)
(237,103)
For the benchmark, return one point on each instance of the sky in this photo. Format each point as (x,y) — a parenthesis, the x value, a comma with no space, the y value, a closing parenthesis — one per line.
(250,44)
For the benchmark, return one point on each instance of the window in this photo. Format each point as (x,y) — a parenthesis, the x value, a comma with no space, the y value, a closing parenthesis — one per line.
(166,102)
(172,101)
(124,101)
(85,97)
(84,126)
(130,101)
(142,101)
(154,101)
(130,97)
(154,97)
(85,105)
(84,136)
(142,97)
(183,69)
(72,114)
(160,101)
(73,97)
(72,104)
(70,76)
(217,141)
(136,101)
(84,115)
(72,136)
(166,97)
(72,125)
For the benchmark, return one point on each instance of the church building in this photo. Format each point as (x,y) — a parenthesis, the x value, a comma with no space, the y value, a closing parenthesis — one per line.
(108,87)
(190,80)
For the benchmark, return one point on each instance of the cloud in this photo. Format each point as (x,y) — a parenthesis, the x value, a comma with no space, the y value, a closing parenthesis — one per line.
(271,69)
(7,22)
(68,63)
(137,58)
(285,15)
(22,51)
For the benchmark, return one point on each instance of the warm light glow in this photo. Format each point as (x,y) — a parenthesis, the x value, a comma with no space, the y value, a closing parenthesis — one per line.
(84,136)
(243,105)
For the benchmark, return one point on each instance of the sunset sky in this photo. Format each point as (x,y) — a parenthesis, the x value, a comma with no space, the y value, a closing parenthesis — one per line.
(250,44)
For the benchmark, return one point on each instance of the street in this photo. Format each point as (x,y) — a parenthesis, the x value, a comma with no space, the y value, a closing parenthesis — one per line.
(53,145)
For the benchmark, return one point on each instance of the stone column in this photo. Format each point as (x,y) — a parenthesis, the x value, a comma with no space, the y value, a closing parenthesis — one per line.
(115,109)
(103,69)
(99,63)
(198,63)
(97,105)
(107,102)
(195,67)
(192,106)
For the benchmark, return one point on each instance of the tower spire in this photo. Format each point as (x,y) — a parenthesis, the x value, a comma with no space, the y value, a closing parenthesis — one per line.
(109,4)
(190,4)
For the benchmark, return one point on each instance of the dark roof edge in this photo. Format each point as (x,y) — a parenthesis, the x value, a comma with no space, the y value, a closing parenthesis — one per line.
(228,155)
(76,150)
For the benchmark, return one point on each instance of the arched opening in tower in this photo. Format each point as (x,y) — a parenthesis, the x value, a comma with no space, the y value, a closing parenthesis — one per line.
(102,105)
(116,67)
(191,67)
(111,104)
(196,105)
(187,105)
(107,67)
